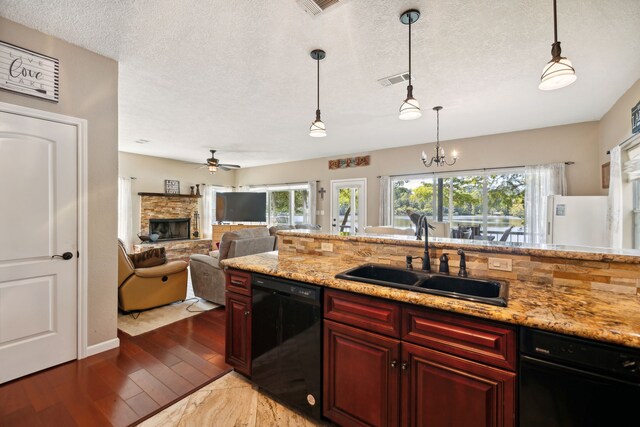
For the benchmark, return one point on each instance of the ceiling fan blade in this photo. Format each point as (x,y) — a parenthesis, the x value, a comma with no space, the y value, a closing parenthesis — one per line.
(229,166)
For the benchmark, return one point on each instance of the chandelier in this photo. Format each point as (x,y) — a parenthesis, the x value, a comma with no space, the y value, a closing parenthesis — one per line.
(439,159)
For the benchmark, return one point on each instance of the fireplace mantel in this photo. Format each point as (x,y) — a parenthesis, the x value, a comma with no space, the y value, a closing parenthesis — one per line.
(169,195)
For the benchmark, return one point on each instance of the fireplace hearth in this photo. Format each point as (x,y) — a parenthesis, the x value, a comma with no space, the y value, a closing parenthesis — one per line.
(171,229)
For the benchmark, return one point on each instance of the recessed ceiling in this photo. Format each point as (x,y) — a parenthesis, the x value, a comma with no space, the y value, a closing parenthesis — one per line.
(236,76)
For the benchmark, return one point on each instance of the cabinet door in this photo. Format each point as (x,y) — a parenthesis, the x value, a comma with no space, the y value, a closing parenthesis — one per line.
(238,337)
(361,377)
(439,389)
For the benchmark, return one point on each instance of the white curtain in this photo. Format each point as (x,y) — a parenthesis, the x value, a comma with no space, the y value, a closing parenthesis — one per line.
(208,194)
(384,214)
(125,212)
(541,181)
(614,201)
(313,200)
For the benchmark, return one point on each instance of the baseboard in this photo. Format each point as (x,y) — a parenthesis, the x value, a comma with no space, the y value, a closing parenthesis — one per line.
(103,346)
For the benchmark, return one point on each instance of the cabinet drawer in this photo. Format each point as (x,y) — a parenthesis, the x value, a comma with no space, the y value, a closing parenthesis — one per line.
(238,282)
(365,312)
(478,340)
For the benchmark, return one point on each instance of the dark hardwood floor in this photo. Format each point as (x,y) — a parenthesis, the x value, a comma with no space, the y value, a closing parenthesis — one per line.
(123,386)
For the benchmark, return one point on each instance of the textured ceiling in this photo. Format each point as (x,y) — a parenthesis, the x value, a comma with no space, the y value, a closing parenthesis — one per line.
(236,75)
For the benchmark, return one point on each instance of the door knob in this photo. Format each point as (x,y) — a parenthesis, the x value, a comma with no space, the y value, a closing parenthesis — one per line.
(65,256)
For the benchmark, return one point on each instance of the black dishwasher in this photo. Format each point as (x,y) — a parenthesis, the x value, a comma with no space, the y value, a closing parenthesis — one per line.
(286,343)
(567,381)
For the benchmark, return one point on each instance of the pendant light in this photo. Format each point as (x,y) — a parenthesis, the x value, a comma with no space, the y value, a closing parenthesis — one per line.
(318,129)
(410,108)
(559,72)
(439,159)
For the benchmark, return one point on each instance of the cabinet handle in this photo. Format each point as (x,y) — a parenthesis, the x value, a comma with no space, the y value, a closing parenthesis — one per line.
(394,363)
(237,282)
(246,313)
(404,366)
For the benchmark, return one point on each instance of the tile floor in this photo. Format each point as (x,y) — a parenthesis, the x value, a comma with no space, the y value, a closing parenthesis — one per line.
(229,401)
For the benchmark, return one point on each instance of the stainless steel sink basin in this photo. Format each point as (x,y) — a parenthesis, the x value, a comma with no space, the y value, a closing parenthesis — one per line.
(478,290)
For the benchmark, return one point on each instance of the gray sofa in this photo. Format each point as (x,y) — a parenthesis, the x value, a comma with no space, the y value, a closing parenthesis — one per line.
(207,276)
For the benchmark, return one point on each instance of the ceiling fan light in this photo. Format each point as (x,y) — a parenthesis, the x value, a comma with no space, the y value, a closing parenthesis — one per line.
(318,129)
(213,169)
(558,73)
(410,109)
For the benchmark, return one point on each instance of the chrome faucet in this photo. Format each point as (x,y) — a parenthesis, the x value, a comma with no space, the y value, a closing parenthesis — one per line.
(423,224)
(463,264)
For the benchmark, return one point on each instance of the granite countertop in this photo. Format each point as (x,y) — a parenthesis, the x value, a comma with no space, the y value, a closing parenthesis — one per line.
(599,315)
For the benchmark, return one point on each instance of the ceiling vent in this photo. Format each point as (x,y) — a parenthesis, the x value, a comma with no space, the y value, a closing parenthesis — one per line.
(395,79)
(316,7)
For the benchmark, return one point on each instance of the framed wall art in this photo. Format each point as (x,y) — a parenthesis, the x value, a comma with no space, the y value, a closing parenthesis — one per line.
(606,171)
(29,73)
(171,186)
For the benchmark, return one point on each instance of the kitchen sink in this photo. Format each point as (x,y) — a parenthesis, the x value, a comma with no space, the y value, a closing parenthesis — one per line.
(381,275)
(477,290)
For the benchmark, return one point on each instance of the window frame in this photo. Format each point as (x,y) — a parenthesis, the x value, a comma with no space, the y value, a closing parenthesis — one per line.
(433,179)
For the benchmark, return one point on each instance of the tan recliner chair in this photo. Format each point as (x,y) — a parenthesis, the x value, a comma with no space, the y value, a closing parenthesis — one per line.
(143,288)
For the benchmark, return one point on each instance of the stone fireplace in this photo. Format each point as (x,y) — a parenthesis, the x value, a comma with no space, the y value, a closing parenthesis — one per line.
(171,229)
(168,207)
(172,216)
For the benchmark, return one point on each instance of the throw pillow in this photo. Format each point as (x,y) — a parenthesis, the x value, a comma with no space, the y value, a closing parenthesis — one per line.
(149,258)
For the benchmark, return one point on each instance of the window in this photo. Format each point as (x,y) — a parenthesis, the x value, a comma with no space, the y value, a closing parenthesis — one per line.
(488,205)
(287,204)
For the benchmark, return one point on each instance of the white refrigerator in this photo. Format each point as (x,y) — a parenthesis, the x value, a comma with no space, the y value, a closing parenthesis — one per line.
(577,220)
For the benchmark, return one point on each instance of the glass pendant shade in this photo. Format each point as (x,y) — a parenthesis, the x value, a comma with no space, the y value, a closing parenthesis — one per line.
(557,74)
(318,129)
(410,109)
(212,169)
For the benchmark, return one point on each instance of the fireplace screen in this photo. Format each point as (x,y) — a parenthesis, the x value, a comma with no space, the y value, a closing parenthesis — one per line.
(170,229)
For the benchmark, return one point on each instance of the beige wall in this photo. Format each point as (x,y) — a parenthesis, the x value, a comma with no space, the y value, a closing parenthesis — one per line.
(576,142)
(88,90)
(150,173)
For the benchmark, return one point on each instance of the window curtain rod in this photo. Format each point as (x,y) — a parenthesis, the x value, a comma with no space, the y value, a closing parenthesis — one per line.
(628,143)
(467,170)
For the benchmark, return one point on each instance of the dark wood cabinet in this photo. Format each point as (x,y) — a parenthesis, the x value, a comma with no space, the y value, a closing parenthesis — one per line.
(439,389)
(238,311)
(238,337)
(446,370)
(361,376)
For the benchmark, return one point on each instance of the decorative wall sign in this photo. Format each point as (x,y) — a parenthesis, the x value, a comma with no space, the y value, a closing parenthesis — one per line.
(350,162)
(28,72)
(635,118)
(171,186)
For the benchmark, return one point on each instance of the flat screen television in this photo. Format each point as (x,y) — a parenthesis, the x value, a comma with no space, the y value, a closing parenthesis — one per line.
(241,206)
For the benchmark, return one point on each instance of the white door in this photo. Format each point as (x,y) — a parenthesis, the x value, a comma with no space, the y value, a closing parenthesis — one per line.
(348,205)
(38,219)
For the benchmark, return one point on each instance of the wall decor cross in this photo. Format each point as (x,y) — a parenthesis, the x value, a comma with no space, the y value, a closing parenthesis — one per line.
(322,191)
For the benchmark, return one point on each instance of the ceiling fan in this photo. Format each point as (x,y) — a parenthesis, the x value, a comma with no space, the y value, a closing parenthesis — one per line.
(214,164)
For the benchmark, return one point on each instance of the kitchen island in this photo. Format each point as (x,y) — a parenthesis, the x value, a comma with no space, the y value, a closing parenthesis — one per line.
(562,307)
(393,356)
